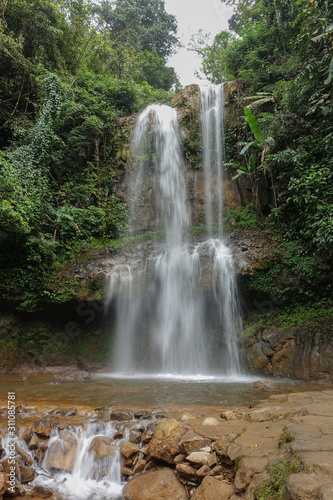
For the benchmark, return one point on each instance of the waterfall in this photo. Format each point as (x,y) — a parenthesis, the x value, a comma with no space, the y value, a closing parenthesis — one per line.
(166,323)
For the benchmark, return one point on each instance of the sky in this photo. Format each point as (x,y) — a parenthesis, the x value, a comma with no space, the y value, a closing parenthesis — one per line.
(211,16)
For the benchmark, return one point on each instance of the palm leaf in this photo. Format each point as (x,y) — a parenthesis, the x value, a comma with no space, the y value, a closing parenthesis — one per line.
(254,126)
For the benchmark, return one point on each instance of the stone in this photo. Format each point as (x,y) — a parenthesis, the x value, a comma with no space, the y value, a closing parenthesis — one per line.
(262,414)
(204,471)
(259,360)
(3,483)
(41,490)
(33,443)
(24,454)
(198,457)
(228,415)
(217,470)
(126,471)
(148,432)
(101,447)
(255,464)
(120,434)
(139,466)
(256,481)
(134,436)
(191,441)
(165,444)
(210,421)
(179,458)
(61,453)
(243,478)
(186,471)
(128,449)
(187,416)
(266,385)
(42,428)
(213,489)
(142,414)
(38,455)
(326,492)
(159,484)
(121,415)
(303,486)
(27,474)
(43,443)
(212,460)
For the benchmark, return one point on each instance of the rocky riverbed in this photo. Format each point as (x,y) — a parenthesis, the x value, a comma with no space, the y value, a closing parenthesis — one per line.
(284,444)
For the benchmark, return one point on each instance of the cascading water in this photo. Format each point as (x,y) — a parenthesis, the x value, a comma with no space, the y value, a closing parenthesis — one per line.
(166,323)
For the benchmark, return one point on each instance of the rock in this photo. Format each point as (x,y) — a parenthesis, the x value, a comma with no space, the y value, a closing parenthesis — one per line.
(33,443)
(25,455)
(155,485)
(303,486)
(204,471)
(262,414)
(120,434)
(210,421)
(255,464)
(217,470)
(142,414)
(148,432)
(121,415)
(42,428)
(186,416)
(134,436)
(41,490)
(128,449)
(243,478)
(165,444)
(38,456)
(326,492)
(43,443)
(101,447)
(213,489)
(61,453)
(27,474)
(259,360)
(139,466)
(179,458)
(126,471)
(3,483)
(103,415)
(186,471)
(212,460)
(198,457)
(256,481)
(266,385)
(69,412)
(228,415)
(191,441)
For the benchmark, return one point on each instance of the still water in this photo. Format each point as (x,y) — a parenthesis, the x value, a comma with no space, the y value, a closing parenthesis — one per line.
(105,390)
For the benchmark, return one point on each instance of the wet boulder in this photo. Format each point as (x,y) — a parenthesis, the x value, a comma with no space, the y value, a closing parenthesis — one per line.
(161,484)
(61,452)
(101,447)
(213,489)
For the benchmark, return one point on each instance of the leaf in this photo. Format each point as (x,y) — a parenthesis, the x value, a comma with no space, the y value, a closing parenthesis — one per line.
(330,73)
(238,175)
(246,147)
(254,126)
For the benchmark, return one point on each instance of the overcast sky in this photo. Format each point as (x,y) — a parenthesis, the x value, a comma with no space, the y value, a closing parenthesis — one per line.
(192,15)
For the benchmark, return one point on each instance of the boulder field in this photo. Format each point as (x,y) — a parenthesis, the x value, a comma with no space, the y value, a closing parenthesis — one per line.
(282,448)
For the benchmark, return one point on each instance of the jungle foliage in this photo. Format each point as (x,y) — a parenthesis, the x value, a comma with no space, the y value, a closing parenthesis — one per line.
(71,73)
(280,55)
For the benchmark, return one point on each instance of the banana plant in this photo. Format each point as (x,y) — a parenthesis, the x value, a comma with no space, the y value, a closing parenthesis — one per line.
(251,169)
